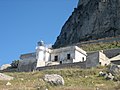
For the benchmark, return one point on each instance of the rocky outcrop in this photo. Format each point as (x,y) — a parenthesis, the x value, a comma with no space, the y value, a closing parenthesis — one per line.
(5,77)
(91,20)
(115,70)
(54,79)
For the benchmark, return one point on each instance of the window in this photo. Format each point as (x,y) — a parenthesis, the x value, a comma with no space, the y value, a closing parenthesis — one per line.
(83,59)
(68,56)
(60,62)
(56,58)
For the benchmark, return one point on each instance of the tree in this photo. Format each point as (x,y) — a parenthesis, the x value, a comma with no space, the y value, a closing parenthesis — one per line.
(15,63)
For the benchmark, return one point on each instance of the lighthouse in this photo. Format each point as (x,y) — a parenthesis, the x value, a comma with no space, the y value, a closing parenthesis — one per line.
(40,54)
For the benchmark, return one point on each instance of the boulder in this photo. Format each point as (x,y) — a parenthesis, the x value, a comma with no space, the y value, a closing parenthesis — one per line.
(5,66)
(5,77)
(54,79)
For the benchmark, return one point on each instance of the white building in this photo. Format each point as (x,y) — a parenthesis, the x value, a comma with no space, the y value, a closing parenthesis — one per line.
(46,56)
(115,60)
(97,58)
(43,54)
(70,54)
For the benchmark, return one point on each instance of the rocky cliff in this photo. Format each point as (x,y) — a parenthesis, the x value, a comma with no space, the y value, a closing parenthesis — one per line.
(91,20)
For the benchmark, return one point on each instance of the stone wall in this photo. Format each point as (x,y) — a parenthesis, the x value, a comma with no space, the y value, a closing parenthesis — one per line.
(62,66)
(92,59)
(27,65)
(96,58)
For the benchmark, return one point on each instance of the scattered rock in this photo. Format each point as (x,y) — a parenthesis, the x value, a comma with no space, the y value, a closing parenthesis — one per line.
(54,79)
(5,77)
(46,89)
(109,77)
(22,79)
(99,85)
(115,71)
(97,88)
(102,74)
(86,76)
(5,66)
(8,84)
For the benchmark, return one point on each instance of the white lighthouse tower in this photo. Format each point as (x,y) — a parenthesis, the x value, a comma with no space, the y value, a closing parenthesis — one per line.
(40,54)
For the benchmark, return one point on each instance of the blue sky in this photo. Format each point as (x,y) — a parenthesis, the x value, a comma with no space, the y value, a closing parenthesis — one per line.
(25,22)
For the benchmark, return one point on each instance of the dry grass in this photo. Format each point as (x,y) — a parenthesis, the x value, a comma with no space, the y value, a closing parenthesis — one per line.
(75,79)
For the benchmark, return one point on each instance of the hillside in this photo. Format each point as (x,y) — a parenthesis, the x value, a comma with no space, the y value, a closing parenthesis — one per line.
(91,20)
(99,46)
(75,79)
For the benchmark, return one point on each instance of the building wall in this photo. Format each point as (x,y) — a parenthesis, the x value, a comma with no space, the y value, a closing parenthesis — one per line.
(27,64)
(62,56)
(79,57)
(47,56)
(103,59)
(92,59)
(97,58)
(67,65)
(42,56)
(40,59)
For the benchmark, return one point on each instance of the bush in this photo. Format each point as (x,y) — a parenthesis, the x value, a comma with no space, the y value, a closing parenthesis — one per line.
(15,63)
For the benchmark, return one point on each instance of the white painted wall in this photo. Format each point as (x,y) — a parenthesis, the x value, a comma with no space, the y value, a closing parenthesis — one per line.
(62,56)
(103,59)
(40,59)
(76,54)
(40,56)
(79,57)
(47,56)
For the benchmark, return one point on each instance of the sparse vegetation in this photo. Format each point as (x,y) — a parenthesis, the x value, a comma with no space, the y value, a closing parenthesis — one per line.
(75,79)
(15,63)
(100,46)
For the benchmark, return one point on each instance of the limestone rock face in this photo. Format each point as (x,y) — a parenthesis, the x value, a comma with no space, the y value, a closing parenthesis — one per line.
(91,20)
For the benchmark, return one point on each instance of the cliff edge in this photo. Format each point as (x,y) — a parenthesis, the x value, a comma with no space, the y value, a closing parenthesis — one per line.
(91,20)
